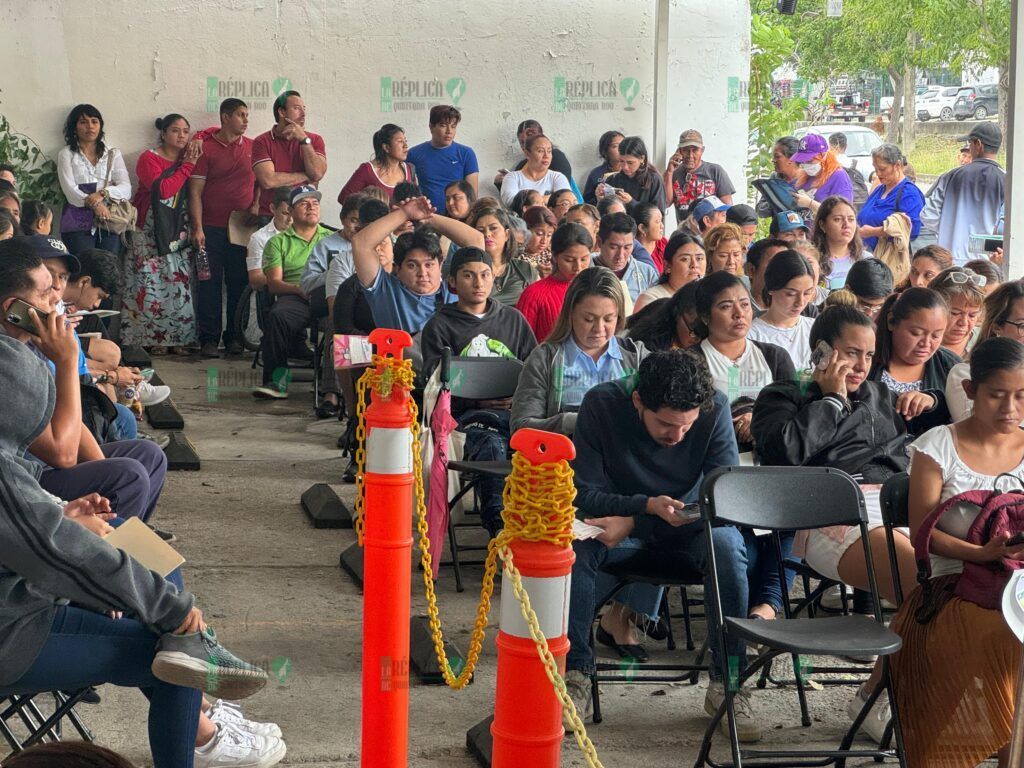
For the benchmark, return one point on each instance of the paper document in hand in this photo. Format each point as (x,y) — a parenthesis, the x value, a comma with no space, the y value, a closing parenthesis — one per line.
(139,541)
(582,531)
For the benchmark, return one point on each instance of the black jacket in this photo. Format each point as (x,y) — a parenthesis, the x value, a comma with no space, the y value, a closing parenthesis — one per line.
(454,328)
(936,372)
(797,426)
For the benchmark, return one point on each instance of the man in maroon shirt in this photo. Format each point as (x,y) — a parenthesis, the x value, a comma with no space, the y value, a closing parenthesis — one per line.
(287,155)
(221,183)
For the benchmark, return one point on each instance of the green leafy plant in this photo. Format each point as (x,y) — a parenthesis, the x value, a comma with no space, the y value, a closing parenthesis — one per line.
(36,173)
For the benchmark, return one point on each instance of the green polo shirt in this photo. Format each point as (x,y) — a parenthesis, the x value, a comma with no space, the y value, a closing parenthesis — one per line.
(290,252)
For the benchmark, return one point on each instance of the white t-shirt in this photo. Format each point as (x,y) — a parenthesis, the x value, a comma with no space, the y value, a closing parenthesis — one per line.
(744,378)
(796,340)
(257,242)
(654,293)
(516,181)
(938,445)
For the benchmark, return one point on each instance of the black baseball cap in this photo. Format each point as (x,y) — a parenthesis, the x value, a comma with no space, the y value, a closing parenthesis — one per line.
(468,255)
(987,133)
(741,215)
(46,247)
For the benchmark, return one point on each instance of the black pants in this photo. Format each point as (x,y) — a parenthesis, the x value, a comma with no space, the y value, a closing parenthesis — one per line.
(286,321)
(227,267)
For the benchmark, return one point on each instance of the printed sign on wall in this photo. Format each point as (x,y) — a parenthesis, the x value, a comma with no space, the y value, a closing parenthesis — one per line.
(257,94)
(404,95)
(575,95)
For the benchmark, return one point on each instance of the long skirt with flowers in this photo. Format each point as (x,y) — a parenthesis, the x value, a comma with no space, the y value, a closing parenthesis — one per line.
(158,310)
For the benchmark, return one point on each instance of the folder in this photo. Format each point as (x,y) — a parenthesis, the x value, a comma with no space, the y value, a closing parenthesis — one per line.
(139,541)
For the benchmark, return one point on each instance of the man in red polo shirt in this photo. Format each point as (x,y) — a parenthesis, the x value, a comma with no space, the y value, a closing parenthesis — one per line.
(221,183)
(287,155)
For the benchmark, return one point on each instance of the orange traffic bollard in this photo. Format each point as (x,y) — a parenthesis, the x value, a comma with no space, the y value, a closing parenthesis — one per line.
(387,540)
(527,728)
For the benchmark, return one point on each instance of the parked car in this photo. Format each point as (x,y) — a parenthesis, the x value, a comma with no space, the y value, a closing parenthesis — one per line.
(938,104)
(860,140)
(977,101)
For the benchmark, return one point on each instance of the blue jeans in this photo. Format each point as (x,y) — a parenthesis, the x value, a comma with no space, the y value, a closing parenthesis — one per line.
(487,435)
(227,268)
(126,426)
(81,241)
(86,648)
(765,586)
(734,570)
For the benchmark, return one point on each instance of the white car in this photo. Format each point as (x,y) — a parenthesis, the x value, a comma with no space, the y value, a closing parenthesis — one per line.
(937,105)
(860,140)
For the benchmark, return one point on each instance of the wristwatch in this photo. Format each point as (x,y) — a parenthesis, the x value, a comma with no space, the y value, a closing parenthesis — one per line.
(306,141)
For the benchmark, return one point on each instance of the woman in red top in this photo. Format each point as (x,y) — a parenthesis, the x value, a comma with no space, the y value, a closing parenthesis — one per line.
(388,166)
(540,302)
(158,312)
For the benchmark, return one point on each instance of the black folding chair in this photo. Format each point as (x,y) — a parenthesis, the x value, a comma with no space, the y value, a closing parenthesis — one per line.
(649,568)
(475,378)
(793,499)
(37,726)
(894,499)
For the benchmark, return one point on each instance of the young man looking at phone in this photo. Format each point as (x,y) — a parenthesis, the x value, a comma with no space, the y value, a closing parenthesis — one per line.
(671,429)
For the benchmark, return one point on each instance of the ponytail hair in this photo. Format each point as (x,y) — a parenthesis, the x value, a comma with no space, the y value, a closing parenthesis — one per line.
(897,308)
(383,137)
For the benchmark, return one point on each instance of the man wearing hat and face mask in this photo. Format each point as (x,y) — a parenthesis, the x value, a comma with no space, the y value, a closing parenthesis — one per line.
(284,260)
(478,326)
(966,200)
(688,177)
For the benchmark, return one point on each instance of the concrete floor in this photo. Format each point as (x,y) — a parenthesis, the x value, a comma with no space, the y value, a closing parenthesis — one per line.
(271,586)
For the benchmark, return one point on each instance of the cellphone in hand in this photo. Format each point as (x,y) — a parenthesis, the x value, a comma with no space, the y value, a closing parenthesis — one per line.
(689,513)
(1016,540)
(821,356)
(18,314)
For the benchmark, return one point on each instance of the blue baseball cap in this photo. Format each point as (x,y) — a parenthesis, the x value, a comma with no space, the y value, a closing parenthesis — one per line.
(707,206)
(787,221)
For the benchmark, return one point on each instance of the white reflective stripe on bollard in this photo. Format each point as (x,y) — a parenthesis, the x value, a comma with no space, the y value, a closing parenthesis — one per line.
(389,451)
(549,598)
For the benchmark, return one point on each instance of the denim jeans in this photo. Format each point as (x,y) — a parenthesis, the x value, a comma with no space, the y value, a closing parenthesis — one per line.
(77,242)
(126,426)
(86,648)
(227,268)
(734,570)
(487,435)
(765,586)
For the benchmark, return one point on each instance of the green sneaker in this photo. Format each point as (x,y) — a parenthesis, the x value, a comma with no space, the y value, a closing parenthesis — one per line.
(197,660)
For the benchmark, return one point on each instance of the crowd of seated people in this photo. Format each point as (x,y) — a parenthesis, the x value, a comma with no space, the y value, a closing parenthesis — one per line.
(693,349)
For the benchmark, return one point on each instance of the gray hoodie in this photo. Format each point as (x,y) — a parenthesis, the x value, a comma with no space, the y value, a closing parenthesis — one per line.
(47,560)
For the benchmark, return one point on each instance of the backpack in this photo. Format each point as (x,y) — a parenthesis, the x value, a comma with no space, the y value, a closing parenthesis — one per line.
(98,413)
(980,583)
(860,185)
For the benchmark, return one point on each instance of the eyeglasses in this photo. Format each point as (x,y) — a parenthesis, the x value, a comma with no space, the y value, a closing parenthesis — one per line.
(962,276)
(1017,326)
(869,309)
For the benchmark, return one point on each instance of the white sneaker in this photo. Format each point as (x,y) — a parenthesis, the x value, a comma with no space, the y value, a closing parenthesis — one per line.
(150,394)
(877,720)
(228,713)
(832,598)
(269,392)
(582,695)
(747,728)
(234,748)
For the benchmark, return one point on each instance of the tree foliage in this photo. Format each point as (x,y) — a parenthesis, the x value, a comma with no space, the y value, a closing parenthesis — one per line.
(36,173)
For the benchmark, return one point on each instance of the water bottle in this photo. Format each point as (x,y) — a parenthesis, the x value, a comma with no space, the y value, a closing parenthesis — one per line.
(202,265)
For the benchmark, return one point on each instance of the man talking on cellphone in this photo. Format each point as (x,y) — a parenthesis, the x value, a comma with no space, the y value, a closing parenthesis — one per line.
(671,428)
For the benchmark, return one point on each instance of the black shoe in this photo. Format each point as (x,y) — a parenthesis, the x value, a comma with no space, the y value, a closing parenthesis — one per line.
(349,475)
(89,697)
(327,410)
(655,630)
(634,652)
(235,348)
(209,349)
(168,537)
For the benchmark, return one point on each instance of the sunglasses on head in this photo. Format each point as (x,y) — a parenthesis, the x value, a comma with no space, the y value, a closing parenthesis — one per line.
(966,275)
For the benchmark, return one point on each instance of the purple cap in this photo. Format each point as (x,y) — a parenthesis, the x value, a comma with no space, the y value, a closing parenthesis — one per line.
(811,146)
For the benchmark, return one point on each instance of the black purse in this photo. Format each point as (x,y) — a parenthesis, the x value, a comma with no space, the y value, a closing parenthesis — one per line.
(168,215)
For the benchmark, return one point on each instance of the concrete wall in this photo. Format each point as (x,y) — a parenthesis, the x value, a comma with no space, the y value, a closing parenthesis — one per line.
(579,66)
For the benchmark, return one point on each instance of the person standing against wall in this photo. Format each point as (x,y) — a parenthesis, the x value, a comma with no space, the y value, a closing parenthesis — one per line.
(91,174)
(442,160)
(223,181)
(158,312)
(689,178)
(287,155)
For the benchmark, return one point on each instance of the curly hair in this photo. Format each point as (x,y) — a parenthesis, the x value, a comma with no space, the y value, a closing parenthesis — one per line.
(676,379)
